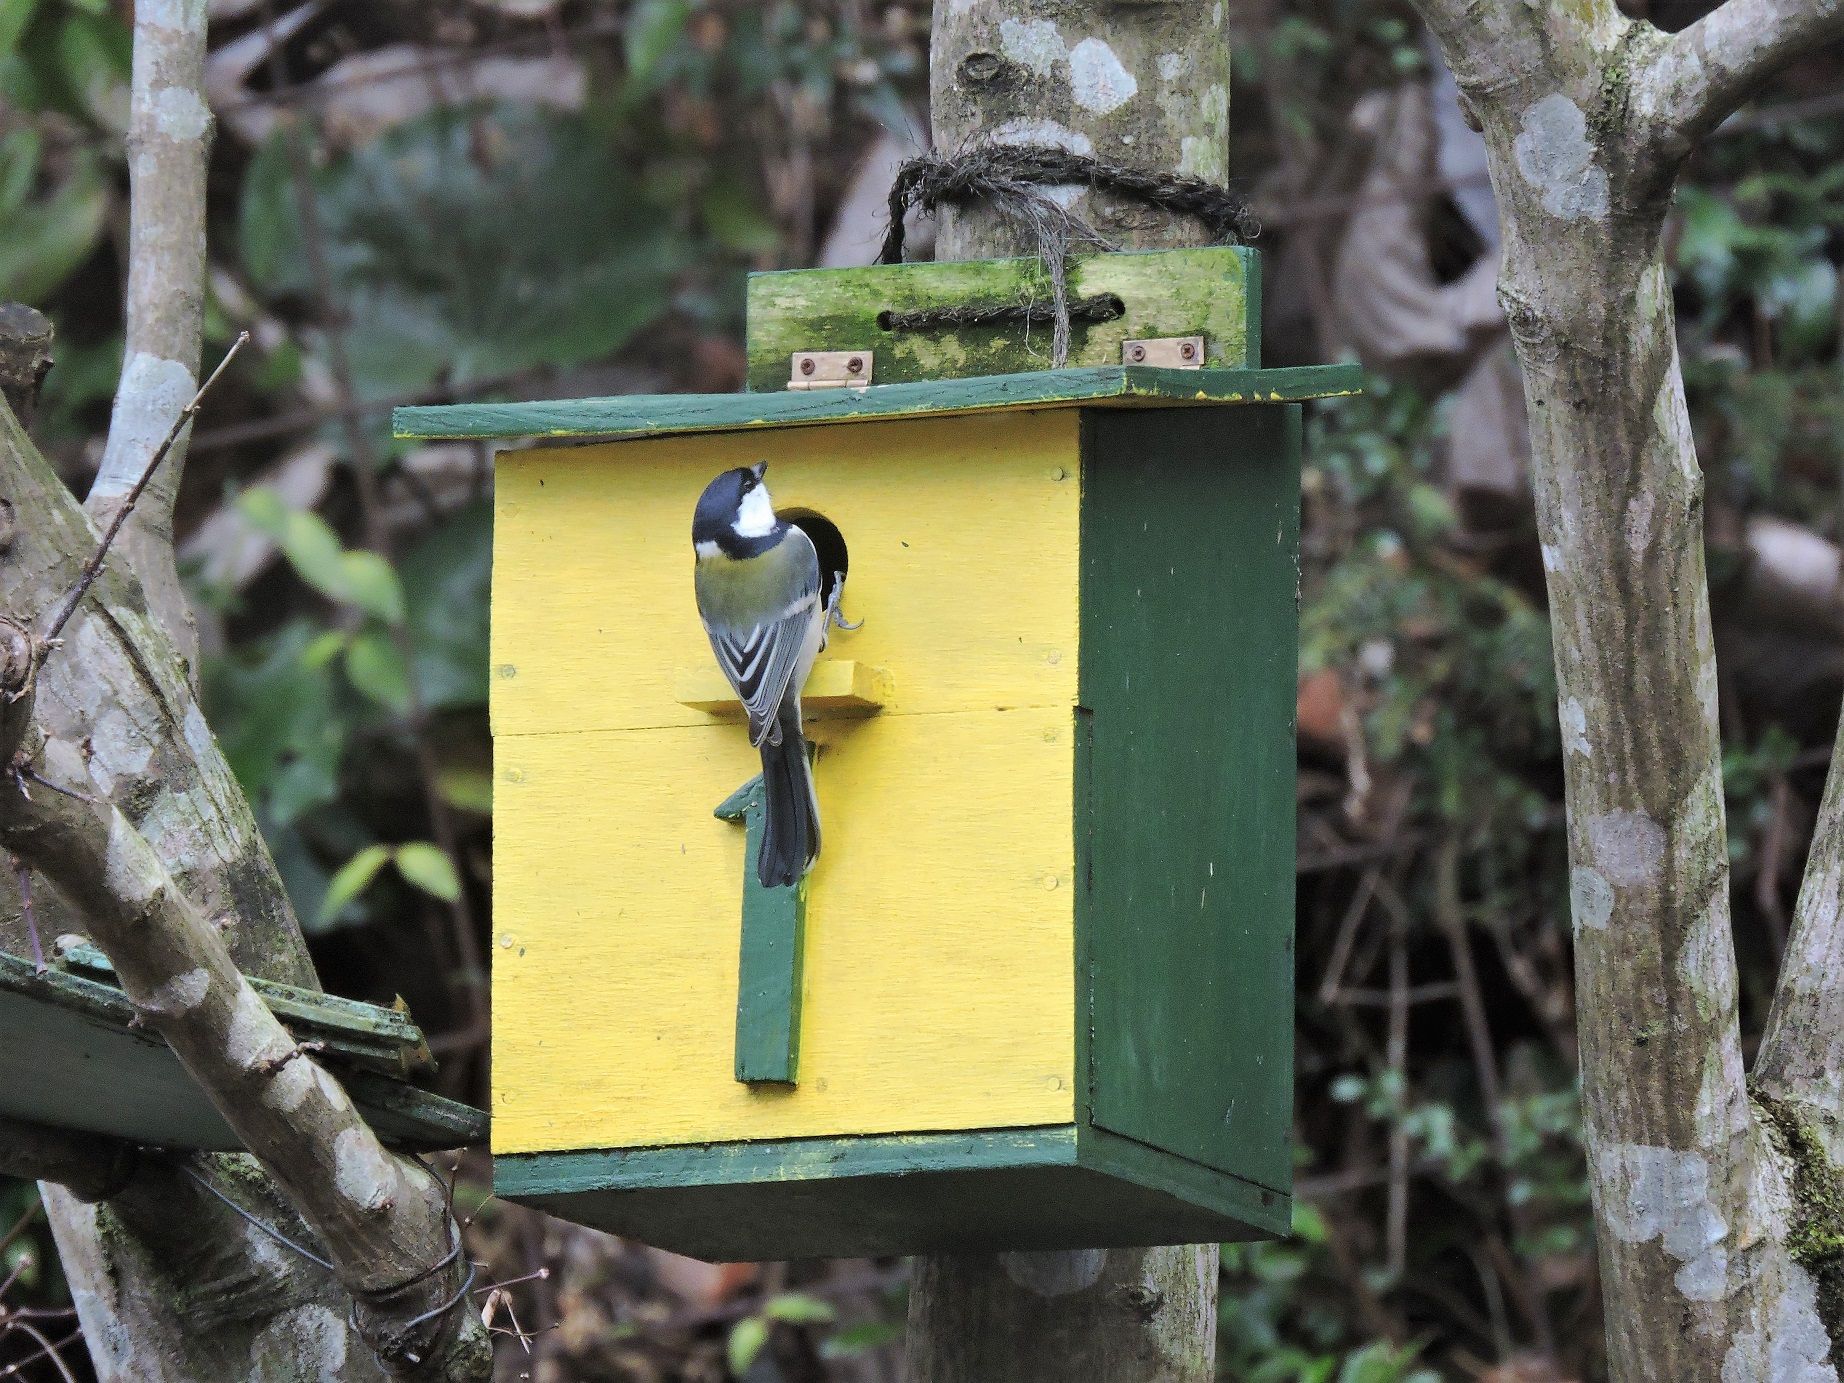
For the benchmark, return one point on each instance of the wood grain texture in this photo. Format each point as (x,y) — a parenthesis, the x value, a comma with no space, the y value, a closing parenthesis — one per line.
(1197,292)
(1098,386)
(963,547)
(938,988)
(769,961)
(1028,1188)
(1190,571)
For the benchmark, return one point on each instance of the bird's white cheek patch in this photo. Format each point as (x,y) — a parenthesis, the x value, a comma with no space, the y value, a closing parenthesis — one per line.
(707,549)
(755,516)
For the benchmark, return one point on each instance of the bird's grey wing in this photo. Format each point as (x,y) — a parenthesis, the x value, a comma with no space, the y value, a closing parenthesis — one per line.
(760,659)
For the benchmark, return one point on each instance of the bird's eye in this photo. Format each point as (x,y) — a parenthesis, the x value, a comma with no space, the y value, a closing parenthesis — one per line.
(749,483)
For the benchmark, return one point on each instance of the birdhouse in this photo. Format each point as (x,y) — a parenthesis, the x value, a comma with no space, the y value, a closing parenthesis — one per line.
(1036,991)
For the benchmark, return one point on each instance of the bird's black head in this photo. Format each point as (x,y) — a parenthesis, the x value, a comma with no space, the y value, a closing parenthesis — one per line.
(734,506)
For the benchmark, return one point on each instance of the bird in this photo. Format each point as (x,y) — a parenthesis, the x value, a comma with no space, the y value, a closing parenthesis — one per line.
(757,582)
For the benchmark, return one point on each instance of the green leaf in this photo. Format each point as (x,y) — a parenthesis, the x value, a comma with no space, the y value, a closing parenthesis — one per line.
(551,252)
(46,240)
(275,715)
(369,583)
(447,577)
(424,865)
(861,1338)
(654,28)
(796,1308)
(733,214)
(268,218)
(15,15)
(352,879)
(747,1337)
(470,789)
(377,670)
(351,577)
(324,649)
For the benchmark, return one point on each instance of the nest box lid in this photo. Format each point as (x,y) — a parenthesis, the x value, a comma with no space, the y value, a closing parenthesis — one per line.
(658,415)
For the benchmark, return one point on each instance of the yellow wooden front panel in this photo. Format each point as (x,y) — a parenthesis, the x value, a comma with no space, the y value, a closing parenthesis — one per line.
(963,551)
(938,986)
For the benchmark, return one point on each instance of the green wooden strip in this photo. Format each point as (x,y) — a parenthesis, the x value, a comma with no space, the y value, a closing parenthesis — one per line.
(370,1033)
(1213,293)
(769,967)
(1000,1189)
(791,1159)
(404,1115)
(1185,808)
(70,1059)
(1264,1211)
(1105,386)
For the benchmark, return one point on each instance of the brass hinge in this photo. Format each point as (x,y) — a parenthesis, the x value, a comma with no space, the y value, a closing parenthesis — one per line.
(830,370)
(1169,352)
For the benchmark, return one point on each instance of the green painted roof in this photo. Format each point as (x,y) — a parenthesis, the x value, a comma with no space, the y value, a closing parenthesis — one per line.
(73,1057)
(1102,386)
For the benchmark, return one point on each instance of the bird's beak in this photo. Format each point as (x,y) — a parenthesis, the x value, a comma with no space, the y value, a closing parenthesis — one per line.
(757,470)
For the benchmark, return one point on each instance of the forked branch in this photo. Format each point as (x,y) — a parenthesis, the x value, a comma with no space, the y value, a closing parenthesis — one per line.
(1703,73)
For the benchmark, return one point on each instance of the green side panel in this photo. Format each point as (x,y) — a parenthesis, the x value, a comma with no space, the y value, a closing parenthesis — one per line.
(769,966)
(1185,782)
(1010,1189)
(1213,293)
(70,1059)
(1098,386)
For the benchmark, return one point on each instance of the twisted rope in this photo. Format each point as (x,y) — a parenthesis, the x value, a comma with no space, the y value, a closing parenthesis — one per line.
(1009,179)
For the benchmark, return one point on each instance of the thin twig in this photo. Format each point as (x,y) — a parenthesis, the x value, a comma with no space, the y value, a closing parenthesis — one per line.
(1396,1228)
(22,874)
(93,568)
(46,1350)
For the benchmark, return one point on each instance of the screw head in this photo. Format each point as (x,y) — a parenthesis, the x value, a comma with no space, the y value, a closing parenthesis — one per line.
(854,365)
(806,364)
(1136,353)
(1188,351)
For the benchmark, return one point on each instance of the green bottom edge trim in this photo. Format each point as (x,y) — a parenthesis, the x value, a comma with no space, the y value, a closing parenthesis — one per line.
(1156,1169)
(794,1159)
(545,1174)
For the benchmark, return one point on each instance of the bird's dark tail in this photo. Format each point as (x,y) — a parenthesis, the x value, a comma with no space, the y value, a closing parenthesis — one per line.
(791,826)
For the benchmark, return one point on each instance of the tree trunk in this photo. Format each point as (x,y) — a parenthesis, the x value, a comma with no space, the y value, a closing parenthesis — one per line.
(1144,84)
(1718,1214)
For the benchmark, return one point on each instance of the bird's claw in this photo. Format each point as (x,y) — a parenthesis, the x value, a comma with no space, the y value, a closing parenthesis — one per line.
(835,613)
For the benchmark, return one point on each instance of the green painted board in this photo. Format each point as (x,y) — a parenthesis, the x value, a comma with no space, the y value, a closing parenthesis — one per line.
(769,966)
(1036,1188)
(1100,386)
(70,1059)
(366,1034)
(1185,795)
(1214,293)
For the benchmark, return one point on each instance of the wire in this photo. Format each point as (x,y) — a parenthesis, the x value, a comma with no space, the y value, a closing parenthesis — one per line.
(250,1219)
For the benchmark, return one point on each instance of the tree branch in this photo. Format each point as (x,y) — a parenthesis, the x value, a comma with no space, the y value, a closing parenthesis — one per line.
(1704,72)
(1803,1048)
(169,136)
(91,1168)
(384,1222)
(124,511)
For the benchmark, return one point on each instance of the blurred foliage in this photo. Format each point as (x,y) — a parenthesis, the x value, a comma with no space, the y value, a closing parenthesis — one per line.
(481,245)
(469,244)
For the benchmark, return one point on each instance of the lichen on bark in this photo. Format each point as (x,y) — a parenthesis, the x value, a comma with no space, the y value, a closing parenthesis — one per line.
(1815,1236)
